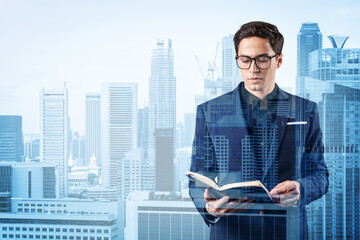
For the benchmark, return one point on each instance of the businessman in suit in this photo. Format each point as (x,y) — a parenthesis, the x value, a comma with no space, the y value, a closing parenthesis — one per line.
(258,132)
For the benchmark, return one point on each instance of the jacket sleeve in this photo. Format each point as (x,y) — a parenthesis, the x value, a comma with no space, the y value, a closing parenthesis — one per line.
(314,180)
(202,160)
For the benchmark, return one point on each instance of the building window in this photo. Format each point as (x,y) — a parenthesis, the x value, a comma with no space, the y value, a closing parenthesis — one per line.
(4,228)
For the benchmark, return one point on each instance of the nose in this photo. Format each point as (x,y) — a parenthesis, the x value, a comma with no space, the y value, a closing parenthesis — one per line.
(253,67)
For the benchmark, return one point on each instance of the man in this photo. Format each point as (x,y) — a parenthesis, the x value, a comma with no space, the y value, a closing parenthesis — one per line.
(258,132)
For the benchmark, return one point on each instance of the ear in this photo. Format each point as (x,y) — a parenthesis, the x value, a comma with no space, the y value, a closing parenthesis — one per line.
(279,60)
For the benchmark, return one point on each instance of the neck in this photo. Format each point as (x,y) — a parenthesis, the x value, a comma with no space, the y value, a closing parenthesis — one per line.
(261,93)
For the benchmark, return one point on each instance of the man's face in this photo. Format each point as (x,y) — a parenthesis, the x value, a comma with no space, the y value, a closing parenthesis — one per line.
(260,82)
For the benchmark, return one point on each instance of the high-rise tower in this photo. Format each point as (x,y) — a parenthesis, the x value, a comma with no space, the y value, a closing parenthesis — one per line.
(230,72)
(162,106)
(309,39)
(54,132)
(93,127)
(11,138)
(334,83)
(119,128)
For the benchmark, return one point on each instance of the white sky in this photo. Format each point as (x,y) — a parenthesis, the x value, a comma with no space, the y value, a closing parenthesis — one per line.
(85,43)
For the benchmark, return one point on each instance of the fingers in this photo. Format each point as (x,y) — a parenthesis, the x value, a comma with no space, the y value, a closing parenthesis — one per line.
(224,206)
(286,194)
(285,187)
(288,201)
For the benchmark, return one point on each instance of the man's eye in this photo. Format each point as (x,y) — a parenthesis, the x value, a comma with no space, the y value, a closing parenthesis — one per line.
(245,60)
(262,59)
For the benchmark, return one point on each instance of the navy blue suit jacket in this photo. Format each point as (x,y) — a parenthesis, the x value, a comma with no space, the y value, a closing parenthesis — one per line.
(220,150)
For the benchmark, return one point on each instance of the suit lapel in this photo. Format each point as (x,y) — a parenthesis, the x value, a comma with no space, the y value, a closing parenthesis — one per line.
(283,112)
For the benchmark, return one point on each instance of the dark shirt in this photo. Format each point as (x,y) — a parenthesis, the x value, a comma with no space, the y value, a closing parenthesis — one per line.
(261,115)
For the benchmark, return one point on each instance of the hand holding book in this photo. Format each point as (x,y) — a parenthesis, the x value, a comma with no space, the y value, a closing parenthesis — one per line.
(225,206)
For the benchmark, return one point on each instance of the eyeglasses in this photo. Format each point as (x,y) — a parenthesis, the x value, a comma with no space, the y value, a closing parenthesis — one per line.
(261,62)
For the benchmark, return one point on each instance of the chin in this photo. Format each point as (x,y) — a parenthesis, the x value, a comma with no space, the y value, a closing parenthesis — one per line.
(254,87)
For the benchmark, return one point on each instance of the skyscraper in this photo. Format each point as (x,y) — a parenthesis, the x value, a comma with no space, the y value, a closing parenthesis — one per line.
(93,127)
(78,149)
(54,132)
(230,72)
(119,128)
(334,85)
(309,39)
(11,138)
(162,99)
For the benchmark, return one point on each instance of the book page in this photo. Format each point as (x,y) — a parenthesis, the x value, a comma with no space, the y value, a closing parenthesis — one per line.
(203,179)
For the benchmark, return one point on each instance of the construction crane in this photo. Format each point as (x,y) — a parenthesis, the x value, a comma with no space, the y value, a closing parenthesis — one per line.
(212,68)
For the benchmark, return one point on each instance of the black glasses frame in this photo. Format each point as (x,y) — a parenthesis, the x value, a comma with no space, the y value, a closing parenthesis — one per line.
(270,57)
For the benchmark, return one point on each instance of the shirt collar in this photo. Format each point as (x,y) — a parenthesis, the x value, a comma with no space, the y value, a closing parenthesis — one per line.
(249,98)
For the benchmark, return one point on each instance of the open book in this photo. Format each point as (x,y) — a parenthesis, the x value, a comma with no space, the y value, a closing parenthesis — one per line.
(231,189)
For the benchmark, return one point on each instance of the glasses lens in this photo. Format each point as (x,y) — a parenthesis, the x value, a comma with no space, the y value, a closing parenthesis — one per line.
(263,62)
(244,62)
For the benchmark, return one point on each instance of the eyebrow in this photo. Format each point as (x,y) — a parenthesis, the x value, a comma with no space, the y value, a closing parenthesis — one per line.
(261,55)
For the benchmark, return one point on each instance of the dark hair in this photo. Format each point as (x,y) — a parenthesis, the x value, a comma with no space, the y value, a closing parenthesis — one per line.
(261,30)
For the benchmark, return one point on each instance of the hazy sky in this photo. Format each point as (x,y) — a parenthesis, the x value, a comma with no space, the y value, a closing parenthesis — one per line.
(85,43)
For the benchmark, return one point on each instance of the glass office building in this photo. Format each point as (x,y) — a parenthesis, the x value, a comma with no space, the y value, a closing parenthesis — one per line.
(334,84)
(11,138)
(309,39)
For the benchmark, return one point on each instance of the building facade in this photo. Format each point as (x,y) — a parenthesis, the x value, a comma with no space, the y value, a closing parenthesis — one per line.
(60,219)
(93,127)
(334,85)
(161,215)
(309,39)
(54,132)
(11,138)
(119,128)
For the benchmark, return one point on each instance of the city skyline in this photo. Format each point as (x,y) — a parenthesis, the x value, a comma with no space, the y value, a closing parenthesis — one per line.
(50,69)
(38,54)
